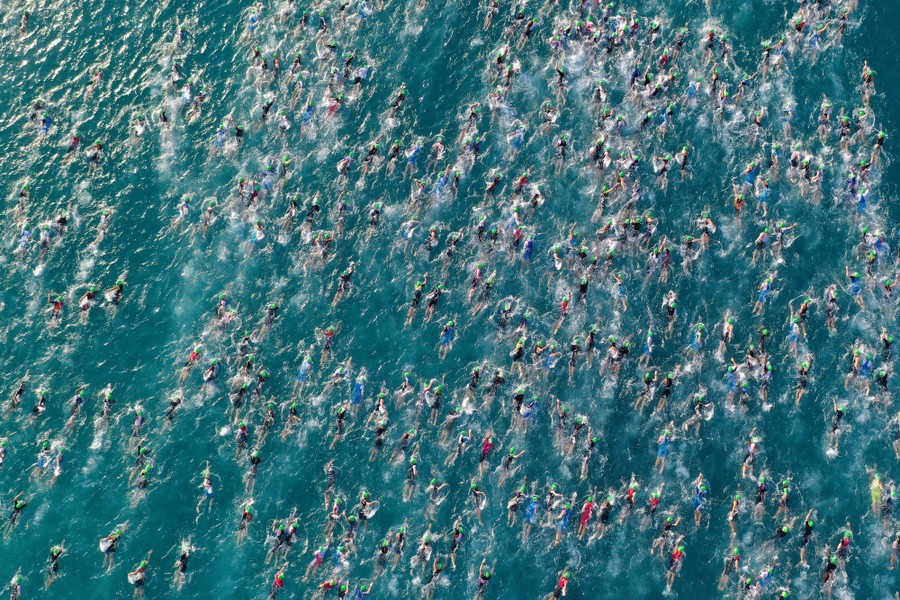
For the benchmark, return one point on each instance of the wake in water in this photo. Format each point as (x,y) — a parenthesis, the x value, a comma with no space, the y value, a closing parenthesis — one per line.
(585,270)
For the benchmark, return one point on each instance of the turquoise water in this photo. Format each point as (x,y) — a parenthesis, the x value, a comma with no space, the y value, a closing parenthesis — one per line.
(175,271)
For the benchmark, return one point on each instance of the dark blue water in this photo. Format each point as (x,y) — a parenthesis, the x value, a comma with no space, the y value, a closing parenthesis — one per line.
(108,72)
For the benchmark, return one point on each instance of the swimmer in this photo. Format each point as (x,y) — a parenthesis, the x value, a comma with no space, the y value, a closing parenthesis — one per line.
(662,450)
(562,586)
(446,338)
(110,544)
(56,553)
(207,488)
(15,586)
(181,565)
(479,499)
(765,289)
(18,504)
(137,577)
(834,435)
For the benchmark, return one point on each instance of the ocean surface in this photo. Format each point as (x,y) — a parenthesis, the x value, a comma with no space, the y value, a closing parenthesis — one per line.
(125,78)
